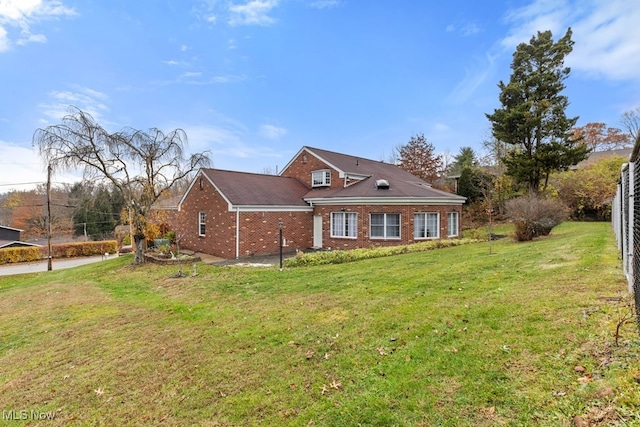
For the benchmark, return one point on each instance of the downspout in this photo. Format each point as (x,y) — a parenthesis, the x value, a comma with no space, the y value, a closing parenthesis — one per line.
(237,232)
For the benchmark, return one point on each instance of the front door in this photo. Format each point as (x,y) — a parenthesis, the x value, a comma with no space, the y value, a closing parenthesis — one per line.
(317,231)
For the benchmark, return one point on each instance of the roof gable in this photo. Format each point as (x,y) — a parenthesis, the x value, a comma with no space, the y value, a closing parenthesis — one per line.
(401,184)
(348,165)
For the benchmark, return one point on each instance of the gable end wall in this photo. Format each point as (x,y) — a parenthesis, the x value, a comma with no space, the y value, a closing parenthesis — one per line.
(220,225)
(302,166)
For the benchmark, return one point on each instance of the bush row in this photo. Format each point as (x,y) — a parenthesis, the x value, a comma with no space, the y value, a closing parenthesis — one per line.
(24,254)
(339,256)
(65,250)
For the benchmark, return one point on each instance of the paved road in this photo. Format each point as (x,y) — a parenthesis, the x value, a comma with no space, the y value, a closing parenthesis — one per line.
(34,267)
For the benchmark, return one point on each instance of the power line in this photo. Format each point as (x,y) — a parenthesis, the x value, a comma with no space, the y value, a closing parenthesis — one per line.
(22,183)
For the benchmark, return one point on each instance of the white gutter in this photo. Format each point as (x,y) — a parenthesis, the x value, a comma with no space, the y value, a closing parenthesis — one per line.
(386,201)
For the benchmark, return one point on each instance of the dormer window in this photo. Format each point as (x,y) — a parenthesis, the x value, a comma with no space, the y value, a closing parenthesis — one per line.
(321,178)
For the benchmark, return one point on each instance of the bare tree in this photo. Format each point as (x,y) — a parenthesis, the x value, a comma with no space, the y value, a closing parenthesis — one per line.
(631,122)
(142,165)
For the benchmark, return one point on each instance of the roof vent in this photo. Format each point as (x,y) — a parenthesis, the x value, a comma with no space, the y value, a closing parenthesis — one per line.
(382,184)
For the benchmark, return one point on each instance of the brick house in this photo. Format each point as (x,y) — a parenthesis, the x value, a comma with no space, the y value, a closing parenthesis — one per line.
(322,199)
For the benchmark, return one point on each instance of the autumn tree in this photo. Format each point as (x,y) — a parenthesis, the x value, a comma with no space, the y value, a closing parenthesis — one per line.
(532,118)
(418,158)
(599,137)
(589,191)
(142,165)
(26,210)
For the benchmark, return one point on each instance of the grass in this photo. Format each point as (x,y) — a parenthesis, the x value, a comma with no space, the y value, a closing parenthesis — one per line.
(451,337)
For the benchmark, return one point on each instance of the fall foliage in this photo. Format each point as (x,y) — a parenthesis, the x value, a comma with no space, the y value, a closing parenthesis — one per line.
(599,137)
(418,158)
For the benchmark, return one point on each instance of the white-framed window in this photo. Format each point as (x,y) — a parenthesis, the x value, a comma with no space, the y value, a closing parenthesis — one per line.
(202,222)
(425,225)
(344,224)
(385,226)
(452,224)
(321,178)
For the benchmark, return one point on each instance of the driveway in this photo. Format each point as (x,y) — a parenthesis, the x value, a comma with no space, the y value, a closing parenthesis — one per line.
(34,267)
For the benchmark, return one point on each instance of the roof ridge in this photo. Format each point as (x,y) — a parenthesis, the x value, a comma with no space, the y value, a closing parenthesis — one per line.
(347,155)
(244,173)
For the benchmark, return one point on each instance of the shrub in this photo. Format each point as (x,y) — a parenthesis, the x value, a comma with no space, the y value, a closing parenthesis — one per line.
(170,236)
(339,257)
(535,216)
(71,250)
(24,254)
(63,250)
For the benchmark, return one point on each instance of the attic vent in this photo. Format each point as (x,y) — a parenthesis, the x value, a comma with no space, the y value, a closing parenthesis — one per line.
(382,184)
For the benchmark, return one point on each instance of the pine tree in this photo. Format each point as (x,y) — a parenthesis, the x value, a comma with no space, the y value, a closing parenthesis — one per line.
(532,119)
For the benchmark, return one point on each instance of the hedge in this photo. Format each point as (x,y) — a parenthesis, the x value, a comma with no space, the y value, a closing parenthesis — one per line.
(23,254)
(340,256)
(64,250)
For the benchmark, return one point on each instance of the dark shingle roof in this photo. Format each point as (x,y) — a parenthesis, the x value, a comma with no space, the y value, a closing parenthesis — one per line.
(401,183)
(252,189)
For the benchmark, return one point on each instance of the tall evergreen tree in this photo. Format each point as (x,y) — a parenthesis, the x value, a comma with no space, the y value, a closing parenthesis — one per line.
(532,119)
(465,158)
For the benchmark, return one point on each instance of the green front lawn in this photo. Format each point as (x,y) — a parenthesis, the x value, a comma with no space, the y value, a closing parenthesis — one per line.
(449,337)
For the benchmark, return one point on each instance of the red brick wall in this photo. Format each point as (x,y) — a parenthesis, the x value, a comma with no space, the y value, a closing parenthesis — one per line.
(259,231)
(220,224)
(363,240)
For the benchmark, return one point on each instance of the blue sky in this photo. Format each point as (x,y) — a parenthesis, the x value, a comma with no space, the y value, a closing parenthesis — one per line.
(253,81)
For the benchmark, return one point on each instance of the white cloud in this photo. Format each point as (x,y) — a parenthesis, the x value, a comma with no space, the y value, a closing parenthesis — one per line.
(86,99)
(5,44)
(470,29)
(20,168)
(475,76)
(272,132)
(23,14)
(190,74)
(325,4)
(540,15)
(225,140)
(606,34)
(254,12)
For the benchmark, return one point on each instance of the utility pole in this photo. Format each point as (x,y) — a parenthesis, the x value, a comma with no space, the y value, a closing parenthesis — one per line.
(49,263)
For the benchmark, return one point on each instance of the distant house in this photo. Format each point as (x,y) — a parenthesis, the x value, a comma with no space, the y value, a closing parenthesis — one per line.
(321,199)
(10,238)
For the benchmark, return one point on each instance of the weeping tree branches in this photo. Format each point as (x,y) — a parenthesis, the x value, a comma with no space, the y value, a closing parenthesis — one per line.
(141,164)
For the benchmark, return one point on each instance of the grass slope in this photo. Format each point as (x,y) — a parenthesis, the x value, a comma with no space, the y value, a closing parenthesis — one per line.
(452,337)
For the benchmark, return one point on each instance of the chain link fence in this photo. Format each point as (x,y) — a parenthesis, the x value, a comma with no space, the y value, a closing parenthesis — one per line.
(626,223)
